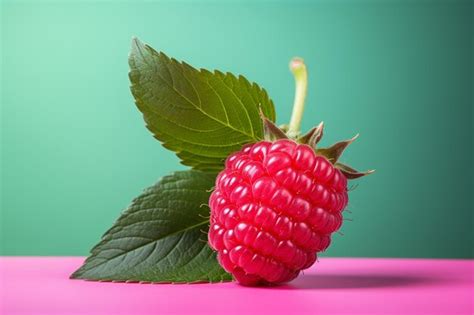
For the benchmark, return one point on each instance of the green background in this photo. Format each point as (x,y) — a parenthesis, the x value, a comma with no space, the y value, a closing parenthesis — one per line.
(75,150)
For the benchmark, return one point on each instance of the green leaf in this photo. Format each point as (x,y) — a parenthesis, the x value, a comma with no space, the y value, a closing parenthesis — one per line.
(203,116)
(160,237)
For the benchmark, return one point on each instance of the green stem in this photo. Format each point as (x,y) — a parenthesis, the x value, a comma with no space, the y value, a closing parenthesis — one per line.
(298,68)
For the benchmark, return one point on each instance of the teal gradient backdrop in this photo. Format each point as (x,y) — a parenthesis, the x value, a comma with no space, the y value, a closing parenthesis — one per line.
(75,150)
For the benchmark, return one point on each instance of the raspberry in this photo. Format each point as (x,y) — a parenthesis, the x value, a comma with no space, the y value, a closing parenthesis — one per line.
(273,209)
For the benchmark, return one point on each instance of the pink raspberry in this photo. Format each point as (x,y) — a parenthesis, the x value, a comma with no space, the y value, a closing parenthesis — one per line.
(274,207)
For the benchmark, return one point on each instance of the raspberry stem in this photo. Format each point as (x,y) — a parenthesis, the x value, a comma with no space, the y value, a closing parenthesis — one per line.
(298,68)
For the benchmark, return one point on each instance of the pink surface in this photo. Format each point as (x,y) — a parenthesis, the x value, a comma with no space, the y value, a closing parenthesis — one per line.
(31,285)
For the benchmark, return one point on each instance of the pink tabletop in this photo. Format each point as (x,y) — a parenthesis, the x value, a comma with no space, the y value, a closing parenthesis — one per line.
(31,285)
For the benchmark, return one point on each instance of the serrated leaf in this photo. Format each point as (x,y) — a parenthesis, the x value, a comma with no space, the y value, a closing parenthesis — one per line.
(160,237)
(203,116)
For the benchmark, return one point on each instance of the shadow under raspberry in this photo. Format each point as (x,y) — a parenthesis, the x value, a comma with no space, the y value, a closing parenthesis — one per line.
(350,281)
